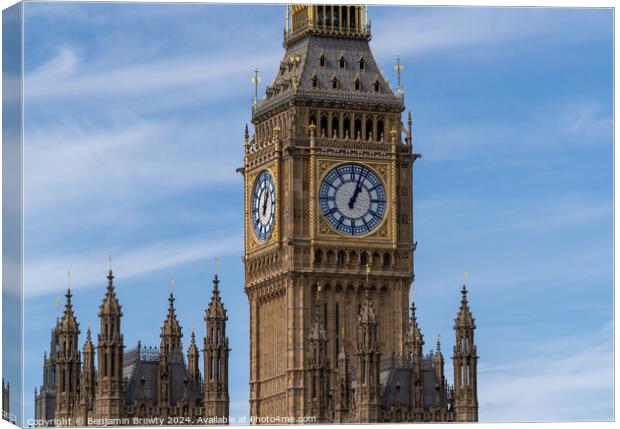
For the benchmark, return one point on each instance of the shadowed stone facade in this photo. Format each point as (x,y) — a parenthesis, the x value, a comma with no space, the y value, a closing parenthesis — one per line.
(329,241)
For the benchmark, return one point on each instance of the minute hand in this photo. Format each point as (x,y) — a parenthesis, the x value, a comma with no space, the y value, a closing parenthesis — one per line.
(358,188)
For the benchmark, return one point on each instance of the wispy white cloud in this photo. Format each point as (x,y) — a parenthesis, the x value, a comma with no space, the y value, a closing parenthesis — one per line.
(121,161)
(88,269)
(563,379)
(66,75)
(440,30)
(558,123)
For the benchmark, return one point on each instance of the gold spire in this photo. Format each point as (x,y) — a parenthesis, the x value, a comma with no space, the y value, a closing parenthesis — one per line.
(110,259)
(68,280)
(171,283)
(216,264)
(399,67)
(256,80)
(465,275)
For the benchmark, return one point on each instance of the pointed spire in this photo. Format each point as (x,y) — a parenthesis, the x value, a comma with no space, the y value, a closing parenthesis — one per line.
(171,330)
(68,306)
(69,321)
(216,309)
(464,317)
(110,274)
(110,304)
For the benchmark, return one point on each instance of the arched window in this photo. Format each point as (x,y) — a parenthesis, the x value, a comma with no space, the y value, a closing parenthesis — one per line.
(346,126)
(322,60)
(377,87)
(313,118)
(315,82)
(318,256)
(353,258)
(380,129)
(335,83)
(362,64)
(386,260)
(368,128)
(335,127)
(358,85)
(363,258)
(323,126)
(341,258)
(358,128)
(342,62)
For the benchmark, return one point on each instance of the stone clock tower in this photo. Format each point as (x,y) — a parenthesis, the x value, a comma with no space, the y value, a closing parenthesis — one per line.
(328,226)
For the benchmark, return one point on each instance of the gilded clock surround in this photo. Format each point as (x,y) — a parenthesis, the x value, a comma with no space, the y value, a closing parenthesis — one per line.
(252,241)
(381,170)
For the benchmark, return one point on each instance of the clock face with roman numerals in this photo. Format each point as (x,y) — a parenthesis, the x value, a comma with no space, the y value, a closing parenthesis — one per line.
(352,199)
(263,206)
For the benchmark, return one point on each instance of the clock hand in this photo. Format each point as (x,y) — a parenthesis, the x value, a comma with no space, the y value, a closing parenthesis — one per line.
(358,188)
(265,204)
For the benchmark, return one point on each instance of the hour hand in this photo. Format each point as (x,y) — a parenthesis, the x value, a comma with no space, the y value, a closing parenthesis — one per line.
(265,204)
(358,188)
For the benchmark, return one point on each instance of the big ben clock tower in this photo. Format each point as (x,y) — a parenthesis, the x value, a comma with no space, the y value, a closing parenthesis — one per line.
(328,216)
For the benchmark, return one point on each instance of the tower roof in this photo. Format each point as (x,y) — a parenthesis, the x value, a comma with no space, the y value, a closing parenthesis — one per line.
(88,343)
(110,305)
(414,334)
(68,322)
(216,309)
(464,318)
(171,326)
(316,56)
(193,348)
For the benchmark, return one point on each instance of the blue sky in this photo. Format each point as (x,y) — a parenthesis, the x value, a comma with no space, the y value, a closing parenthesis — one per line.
(134,117)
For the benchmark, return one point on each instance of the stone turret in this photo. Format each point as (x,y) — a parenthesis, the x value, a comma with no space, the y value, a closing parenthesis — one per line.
(88,379)
(465,361)
(170,350)
(343,388)
(68,364)
(109,401)
(216,398)
(414,341)
(440,380)
(193,356)
(367,365)
(318,364)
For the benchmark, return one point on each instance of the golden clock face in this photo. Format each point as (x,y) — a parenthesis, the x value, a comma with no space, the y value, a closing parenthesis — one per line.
(352,199)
